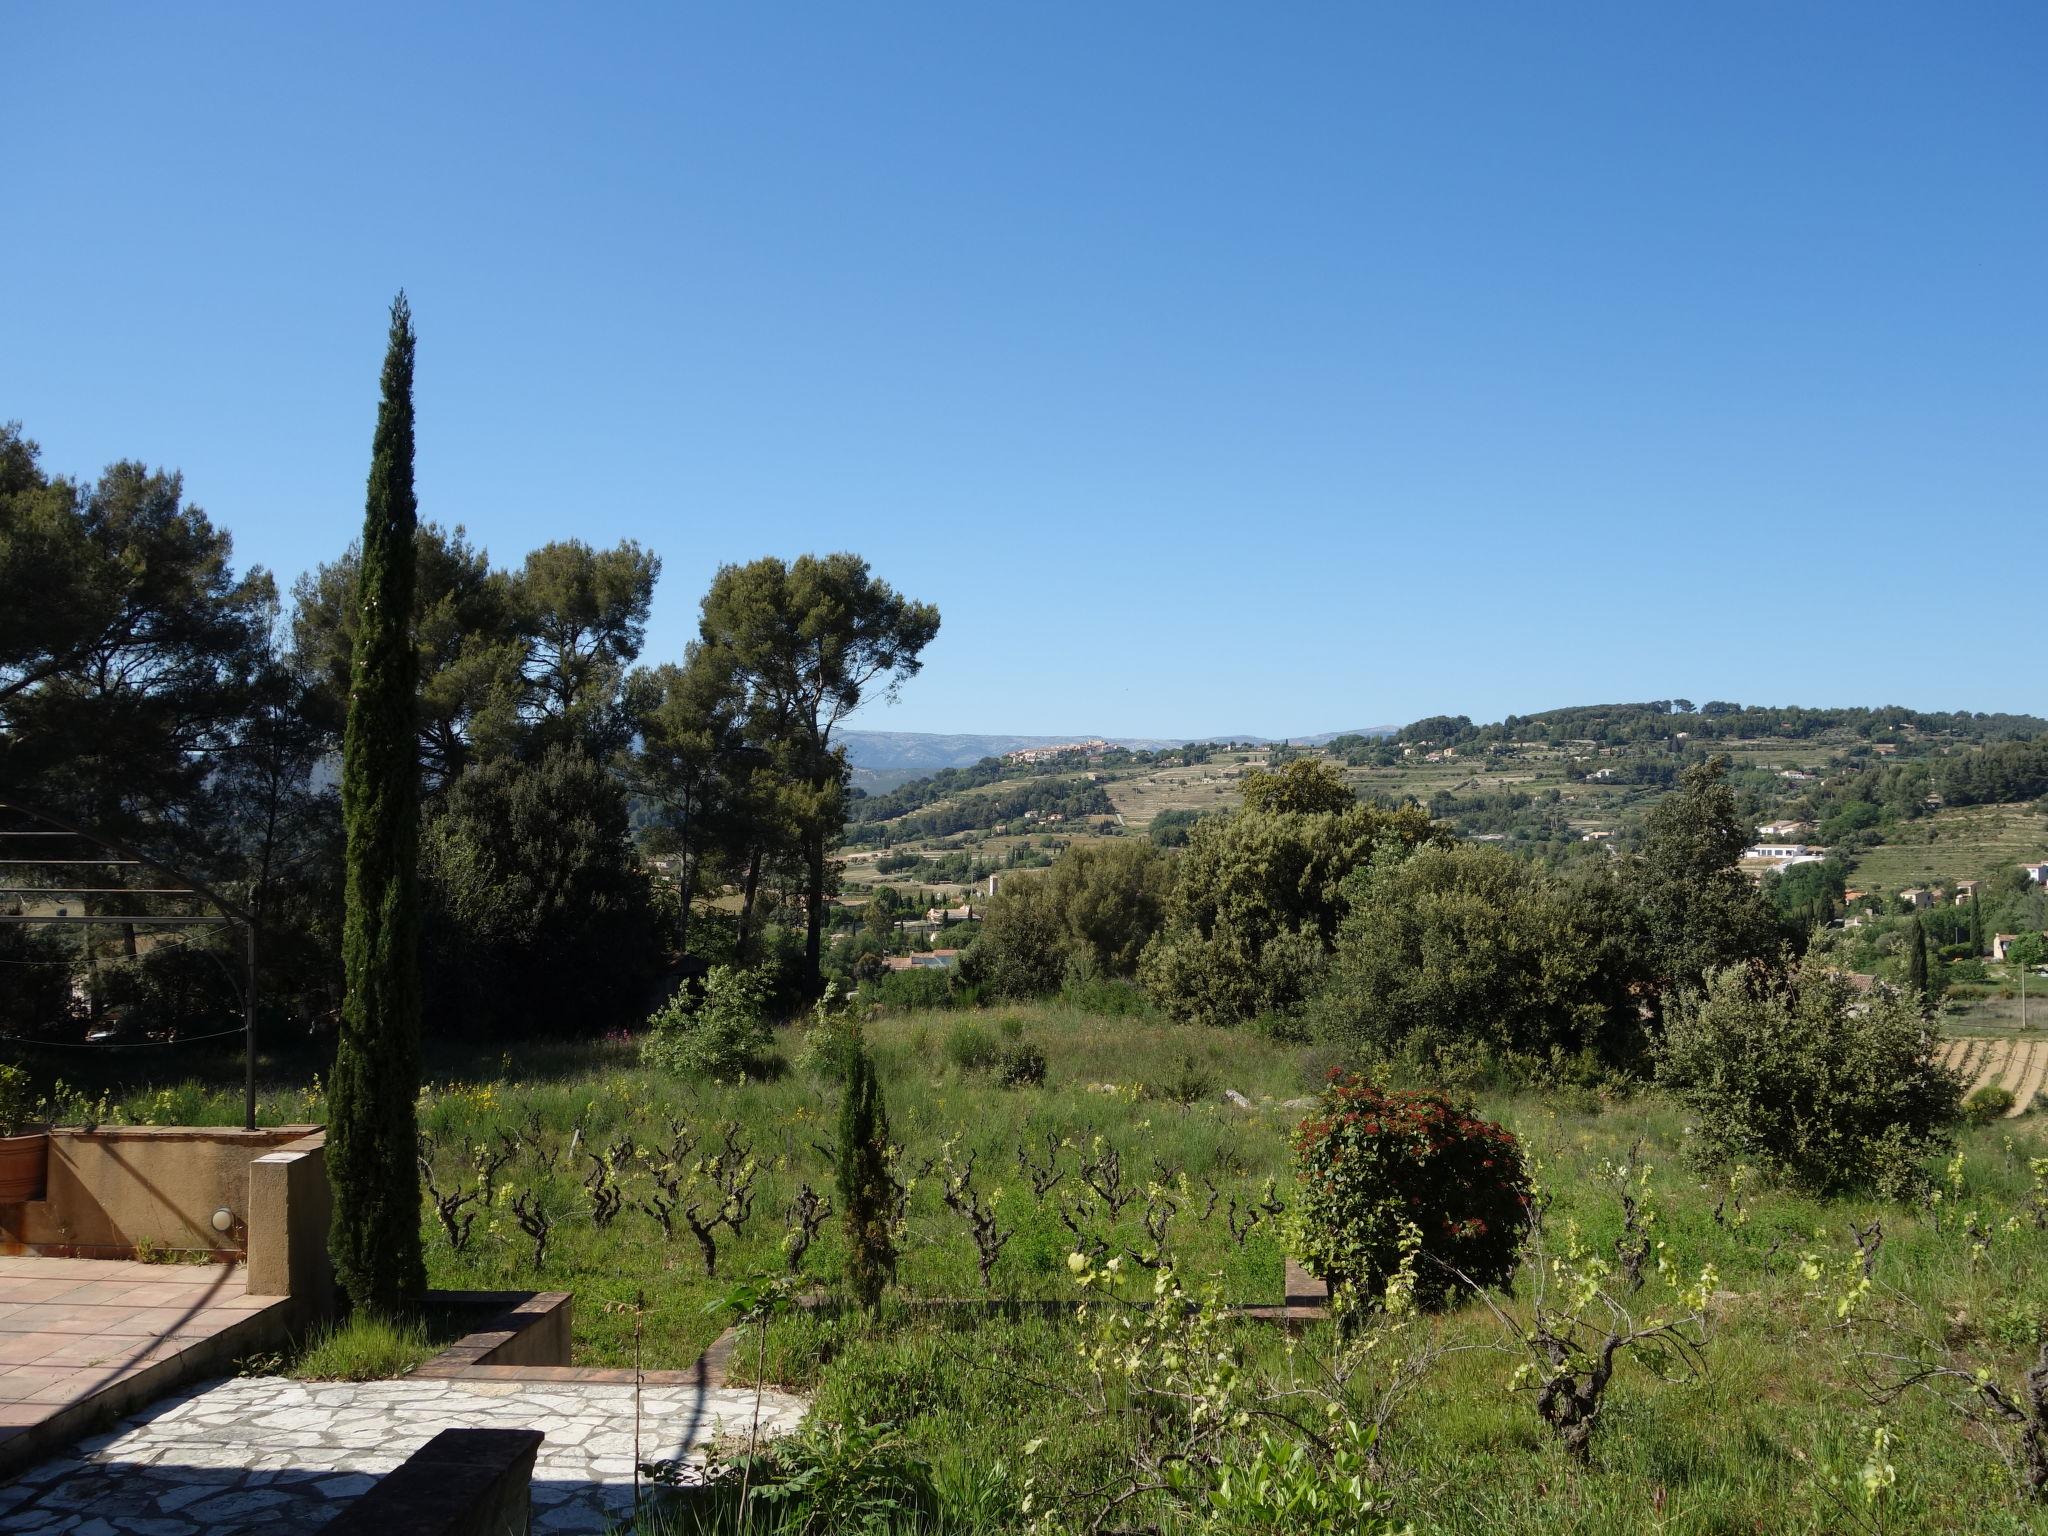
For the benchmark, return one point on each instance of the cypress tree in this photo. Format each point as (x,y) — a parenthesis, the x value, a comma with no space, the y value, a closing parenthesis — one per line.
(1916,962)
(865,1188)
(1976,926)
(373,1131)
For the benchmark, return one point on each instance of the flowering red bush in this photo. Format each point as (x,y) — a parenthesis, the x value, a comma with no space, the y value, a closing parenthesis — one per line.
(1373,1164)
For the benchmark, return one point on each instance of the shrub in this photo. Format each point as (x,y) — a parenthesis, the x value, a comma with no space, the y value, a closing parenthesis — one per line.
(17,1101)
(1021,1066)
(1255,907)
(1470,943)
(1801,1076)
(921,986)
(1088,917)
(1189,1082)
(831,1038)
(719,1035)
(971,1048)
(1987,1104)
(1381,1170)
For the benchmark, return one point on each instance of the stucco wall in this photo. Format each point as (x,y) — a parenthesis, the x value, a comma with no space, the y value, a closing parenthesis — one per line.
(118,1188)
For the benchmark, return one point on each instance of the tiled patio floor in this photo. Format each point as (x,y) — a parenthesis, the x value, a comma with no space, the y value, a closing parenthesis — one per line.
(80,1334)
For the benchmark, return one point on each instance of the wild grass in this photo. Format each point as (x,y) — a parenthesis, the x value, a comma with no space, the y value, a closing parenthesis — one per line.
(364,1348)
(1770,1437)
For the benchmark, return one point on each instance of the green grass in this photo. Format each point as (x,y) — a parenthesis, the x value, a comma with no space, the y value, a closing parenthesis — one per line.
(364,1348)
(1743,1448)
(1739,1450)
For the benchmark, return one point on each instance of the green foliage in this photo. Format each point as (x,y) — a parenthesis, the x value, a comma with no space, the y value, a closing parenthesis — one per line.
(1690,910)
(1170,829)
(846,1475)
(1280,1487)
(1088,917)
(806,641)
(1386,1173)
(720,1034)
(971,1047)
(1470,945)
(920,986)
(1801,1076)
(1916,963)
(831,1039)
(1308,786)
(18,1100)
(372,1131)
(1021,1065)
(1257,904)
(866,1188)
(1987,1104)
(538,914)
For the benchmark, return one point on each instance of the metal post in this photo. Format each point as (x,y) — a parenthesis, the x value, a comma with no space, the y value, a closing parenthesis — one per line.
(249,1035)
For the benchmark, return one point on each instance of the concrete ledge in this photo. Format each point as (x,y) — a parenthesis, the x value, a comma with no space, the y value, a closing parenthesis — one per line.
(530,1330)
(463,1482)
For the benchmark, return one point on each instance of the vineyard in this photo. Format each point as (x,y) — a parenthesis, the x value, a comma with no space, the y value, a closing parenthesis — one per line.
(2018,1066)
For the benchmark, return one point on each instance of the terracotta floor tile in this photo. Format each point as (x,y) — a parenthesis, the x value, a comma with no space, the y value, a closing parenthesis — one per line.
(26,1348)
(21,1290)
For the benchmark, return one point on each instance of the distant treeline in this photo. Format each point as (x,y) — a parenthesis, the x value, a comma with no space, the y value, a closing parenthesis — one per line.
(1046,794)
(1618,725)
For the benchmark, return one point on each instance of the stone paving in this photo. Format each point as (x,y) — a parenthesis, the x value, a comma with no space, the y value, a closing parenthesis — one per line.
(266,1456)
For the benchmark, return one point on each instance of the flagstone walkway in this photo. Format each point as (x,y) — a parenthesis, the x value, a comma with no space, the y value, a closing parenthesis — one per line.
(266,1456)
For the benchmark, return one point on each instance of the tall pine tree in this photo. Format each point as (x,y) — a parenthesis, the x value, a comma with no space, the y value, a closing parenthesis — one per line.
(373,1131)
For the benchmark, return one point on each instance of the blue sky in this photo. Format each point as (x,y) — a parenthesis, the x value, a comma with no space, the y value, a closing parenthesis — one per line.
(1215,369)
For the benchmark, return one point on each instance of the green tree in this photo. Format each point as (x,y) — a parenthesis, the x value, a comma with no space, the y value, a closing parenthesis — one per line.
(693,761)
(471,652)
(1692,908)
(539,915)
(1799,1074)
(129,651)
(1303,787)
(1090,915)
(1464,946)
(1916,963)
(584,614)
(866,1191)
(1257,902)
(372,1139)
(1976,926)
(807,640)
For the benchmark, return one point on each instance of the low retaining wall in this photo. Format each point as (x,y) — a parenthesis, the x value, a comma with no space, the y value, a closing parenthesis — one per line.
(525,1328)
(463,1482)
(120,1189)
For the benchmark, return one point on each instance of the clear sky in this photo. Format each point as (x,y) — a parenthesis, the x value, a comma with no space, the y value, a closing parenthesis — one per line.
(1214,368)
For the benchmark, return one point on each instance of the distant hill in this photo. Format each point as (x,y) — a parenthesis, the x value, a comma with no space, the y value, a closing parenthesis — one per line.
(884,759)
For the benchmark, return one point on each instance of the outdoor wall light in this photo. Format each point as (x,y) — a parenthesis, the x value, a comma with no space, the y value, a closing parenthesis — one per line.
(223,1220)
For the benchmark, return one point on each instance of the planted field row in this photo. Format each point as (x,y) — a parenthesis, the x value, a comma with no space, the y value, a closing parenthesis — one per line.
(2018,1066)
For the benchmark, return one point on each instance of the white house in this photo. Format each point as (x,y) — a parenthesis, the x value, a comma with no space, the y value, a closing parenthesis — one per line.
(2038,873)
(1783,855)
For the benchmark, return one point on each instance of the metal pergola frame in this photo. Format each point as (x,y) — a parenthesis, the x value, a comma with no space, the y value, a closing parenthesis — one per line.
(227,913)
